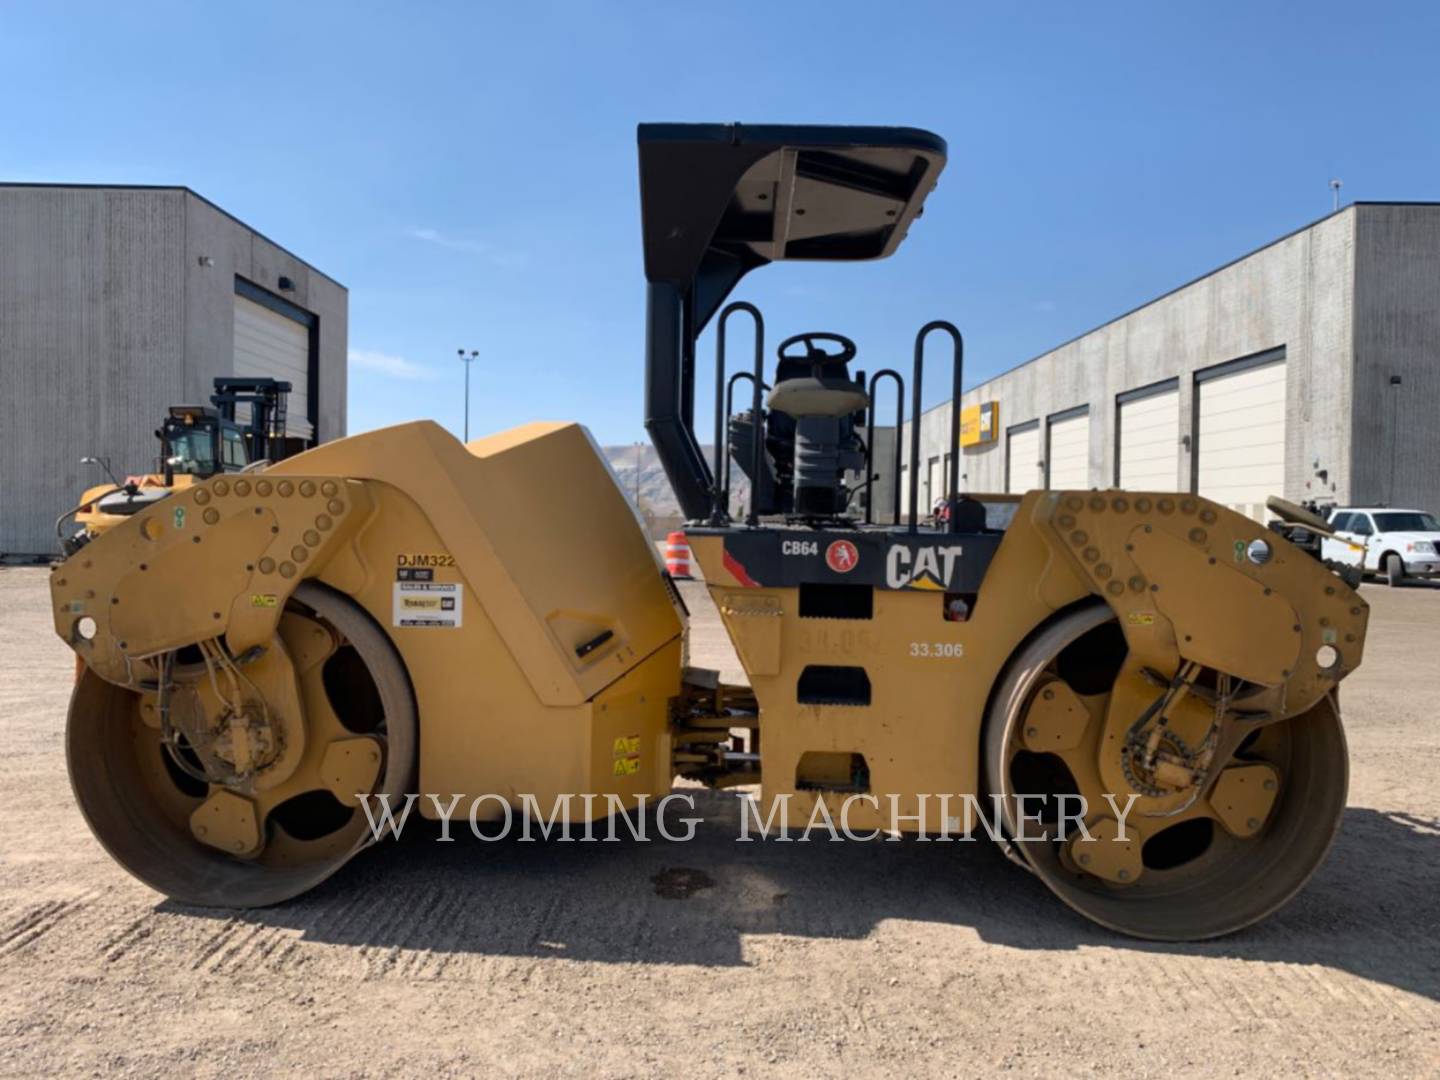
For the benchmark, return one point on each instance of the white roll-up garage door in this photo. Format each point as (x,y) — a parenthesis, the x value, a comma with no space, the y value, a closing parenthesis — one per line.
(1022,457)
(1241,436)
(1069,456)
(269,344)
(1149,442)
(934,484)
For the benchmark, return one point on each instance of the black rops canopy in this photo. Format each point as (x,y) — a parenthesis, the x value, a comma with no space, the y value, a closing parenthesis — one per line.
(719,200)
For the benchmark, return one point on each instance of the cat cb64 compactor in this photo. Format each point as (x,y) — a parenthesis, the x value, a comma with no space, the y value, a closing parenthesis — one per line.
(397,612)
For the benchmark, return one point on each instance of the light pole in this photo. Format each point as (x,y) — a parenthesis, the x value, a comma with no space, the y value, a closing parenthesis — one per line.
(467,361)
(1335,186)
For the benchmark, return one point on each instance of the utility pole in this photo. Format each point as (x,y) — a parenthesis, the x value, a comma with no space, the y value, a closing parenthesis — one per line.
(1335,186)
(467,361)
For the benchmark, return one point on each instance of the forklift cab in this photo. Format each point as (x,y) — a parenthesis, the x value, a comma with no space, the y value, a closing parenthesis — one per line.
(196,441)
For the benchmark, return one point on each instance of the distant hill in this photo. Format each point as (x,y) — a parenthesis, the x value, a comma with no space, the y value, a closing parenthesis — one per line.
(656,499)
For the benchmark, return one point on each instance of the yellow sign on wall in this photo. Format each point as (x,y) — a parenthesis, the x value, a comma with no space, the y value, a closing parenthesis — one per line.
(979,423)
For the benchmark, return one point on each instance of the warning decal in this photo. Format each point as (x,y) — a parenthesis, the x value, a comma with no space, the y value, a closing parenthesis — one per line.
(842,556)
(428,603)
(627,755)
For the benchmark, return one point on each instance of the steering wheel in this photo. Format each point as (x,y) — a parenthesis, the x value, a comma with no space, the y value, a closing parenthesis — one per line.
(817,356)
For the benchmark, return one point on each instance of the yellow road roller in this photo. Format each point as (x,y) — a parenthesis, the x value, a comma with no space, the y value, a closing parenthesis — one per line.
(267,654)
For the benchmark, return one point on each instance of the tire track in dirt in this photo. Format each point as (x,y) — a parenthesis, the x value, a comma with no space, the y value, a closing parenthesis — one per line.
(300,954)
(214,943)
(135,934)
(420,961)
(378,959)
(244,950)
(390,956)
(39,920)
(450,914)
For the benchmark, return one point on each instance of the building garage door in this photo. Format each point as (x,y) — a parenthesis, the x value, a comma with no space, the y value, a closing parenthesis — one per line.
(1240,457)
(1067,461)
(1022,458)
(274,345)
(1147,448)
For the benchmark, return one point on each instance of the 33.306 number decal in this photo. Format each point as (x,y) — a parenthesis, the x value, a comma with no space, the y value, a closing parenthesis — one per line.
(944,650)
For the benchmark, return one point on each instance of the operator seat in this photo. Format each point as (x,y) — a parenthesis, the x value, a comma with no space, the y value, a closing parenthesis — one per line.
(810,430)
(822,394)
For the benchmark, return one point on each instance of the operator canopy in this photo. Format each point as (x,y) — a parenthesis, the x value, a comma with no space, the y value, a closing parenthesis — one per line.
(718,200)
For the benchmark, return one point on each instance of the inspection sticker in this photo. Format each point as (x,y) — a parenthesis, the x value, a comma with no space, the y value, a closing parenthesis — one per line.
(428,603)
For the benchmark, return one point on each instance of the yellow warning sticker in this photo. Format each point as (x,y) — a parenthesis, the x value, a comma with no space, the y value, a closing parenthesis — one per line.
(627,766)
(264,600)
(627,744)
(1141,618)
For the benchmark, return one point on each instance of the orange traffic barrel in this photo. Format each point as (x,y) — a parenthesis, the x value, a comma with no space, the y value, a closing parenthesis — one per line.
(677,556)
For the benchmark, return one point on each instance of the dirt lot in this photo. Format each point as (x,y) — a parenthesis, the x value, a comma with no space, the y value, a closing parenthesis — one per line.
(892,959)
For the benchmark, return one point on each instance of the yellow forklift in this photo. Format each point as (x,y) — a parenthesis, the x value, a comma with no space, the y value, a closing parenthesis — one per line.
(196,443)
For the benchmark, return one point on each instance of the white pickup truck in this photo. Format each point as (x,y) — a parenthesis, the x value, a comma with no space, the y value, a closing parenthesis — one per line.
(1398,544)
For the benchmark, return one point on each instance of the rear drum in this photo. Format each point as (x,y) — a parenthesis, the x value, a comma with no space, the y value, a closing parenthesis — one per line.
(1198,880)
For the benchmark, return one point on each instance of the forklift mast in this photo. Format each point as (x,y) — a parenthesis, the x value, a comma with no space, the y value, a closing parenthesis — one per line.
(265,433)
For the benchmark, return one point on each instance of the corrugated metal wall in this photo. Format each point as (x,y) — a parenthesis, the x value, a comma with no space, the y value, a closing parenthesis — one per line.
(1396,455)
(1295,292)
(91,339)
(114,304)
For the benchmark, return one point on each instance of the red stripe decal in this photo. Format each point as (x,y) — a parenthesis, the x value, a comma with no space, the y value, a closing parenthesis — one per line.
(738,572)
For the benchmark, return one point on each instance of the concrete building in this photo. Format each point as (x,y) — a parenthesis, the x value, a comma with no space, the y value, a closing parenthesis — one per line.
(1309,368)
(117,302)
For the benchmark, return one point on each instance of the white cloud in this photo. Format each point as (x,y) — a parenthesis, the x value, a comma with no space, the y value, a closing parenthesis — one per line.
(439,239)
(466,245)
(395,367)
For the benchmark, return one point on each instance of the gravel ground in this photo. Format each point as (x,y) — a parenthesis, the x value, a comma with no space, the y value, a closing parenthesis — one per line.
(546,960)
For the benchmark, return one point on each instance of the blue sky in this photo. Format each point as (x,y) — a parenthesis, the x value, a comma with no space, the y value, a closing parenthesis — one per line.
(468,170)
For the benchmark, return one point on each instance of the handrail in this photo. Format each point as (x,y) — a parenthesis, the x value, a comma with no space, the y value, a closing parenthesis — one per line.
(958,365)
(720,510)
(870,442)
(730,412)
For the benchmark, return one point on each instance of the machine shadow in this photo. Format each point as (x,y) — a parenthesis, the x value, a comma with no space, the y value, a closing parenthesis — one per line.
(602,901)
